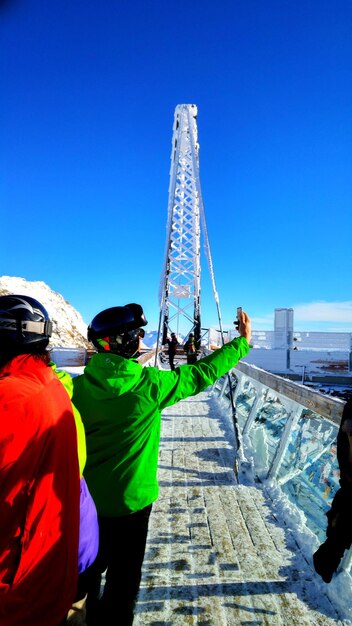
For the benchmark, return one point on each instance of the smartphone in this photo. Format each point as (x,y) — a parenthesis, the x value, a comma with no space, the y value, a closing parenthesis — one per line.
(237,320)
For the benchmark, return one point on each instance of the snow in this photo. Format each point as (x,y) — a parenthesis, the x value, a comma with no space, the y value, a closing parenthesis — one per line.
(269,546)
(288,515)
(74,371)
(69,329)
(340,589)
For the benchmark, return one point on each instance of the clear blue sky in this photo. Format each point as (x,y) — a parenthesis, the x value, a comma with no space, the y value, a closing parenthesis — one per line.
(88,92)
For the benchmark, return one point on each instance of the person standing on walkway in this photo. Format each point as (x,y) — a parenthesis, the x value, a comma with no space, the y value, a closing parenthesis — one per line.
(121,403)
(39,474)
(172,346)
(190,349)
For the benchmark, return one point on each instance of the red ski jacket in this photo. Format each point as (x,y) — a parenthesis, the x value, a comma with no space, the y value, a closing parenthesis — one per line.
(39,496)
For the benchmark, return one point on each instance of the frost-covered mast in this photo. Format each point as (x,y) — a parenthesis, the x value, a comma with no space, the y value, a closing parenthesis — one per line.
(180,281)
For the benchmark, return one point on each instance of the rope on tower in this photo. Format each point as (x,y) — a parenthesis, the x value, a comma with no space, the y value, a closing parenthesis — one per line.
(238,440)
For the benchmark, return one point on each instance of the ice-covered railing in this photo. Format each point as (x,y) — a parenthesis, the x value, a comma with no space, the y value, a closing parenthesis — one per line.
(288,432)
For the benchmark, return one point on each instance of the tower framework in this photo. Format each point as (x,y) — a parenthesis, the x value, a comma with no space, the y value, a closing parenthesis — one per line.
(180,282)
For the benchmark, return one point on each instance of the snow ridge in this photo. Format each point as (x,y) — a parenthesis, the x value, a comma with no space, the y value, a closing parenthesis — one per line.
(69,328)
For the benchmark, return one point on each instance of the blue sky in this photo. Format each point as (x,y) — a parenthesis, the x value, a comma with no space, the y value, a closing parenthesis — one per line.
(88,93)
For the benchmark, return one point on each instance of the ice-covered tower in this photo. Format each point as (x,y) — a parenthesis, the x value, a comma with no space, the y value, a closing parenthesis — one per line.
(180,280)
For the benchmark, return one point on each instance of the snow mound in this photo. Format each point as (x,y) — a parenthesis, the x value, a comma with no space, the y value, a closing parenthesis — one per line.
(69,329)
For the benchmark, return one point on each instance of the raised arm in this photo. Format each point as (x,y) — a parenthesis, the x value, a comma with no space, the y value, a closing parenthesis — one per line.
(189,380)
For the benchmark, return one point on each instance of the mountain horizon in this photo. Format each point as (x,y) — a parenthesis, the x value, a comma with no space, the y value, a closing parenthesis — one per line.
(69,328)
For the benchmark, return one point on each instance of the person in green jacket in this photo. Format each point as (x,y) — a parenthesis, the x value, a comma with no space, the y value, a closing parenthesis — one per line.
(191,349)
(120,402)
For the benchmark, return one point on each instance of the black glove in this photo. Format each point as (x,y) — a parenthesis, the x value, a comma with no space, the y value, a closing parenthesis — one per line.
(327,558)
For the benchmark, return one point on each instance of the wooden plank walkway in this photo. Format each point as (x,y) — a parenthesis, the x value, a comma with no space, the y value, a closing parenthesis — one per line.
(217,555)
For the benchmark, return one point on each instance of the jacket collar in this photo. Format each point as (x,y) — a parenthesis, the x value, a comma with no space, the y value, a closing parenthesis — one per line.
(22,362)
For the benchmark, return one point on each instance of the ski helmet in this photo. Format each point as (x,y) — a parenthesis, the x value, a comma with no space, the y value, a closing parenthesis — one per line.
(25,326)
(117,330)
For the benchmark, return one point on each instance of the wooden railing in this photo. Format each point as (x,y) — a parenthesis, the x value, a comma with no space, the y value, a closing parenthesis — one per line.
(329,408)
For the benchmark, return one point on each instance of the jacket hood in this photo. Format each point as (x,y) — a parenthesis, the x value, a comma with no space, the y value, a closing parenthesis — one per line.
(111,373)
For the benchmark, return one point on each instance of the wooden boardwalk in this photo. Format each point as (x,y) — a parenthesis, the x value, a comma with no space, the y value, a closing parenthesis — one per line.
(217,554)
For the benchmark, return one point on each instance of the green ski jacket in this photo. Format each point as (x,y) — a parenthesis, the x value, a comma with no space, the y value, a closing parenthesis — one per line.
(120,402)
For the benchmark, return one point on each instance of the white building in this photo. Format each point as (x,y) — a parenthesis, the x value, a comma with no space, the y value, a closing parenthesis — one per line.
(286,352)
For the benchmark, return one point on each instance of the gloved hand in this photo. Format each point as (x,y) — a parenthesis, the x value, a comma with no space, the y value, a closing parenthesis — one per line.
(327,558)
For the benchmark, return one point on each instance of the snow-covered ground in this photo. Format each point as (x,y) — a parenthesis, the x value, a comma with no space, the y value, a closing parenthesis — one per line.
(225,554)
(297,520)
(339,590)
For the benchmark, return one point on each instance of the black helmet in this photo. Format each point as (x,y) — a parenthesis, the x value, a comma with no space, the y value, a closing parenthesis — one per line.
(25,326)
(118,329)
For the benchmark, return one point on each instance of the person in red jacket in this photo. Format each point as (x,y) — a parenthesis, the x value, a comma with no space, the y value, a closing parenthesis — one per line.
(39,474)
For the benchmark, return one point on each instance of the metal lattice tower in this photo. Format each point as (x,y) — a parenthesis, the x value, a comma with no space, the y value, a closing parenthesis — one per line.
(180,281)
